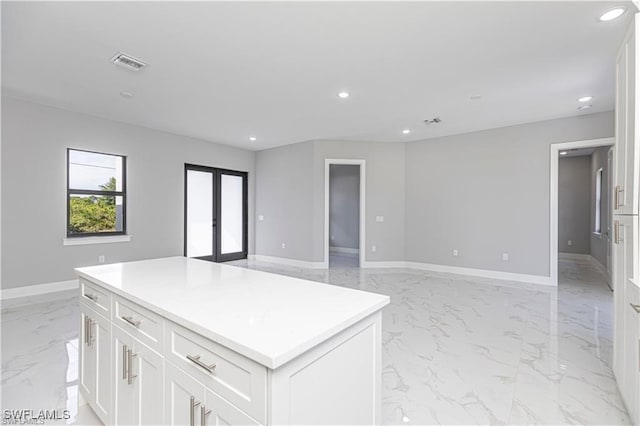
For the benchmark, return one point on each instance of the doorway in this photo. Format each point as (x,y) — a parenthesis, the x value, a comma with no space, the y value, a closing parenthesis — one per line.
(215,213)
(344,226)
(597,228)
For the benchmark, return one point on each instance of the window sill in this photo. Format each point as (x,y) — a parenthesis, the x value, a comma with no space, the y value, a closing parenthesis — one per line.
(80,241)
(597,235)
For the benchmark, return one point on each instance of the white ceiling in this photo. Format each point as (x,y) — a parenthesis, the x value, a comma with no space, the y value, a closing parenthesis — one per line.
(225,71)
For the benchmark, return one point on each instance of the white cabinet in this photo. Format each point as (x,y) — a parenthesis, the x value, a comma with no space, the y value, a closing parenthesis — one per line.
(631,371)
(189,402)
(625,187)
(95,361)
(138,386)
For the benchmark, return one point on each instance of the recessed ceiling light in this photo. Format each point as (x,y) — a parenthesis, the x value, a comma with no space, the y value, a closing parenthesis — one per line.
(126,95)
(343,95)
(612,14)
(585,99)
(563,152)
(252,138)
(583,107)
(406,131)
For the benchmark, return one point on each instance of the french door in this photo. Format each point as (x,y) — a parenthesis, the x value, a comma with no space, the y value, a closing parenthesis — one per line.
(215,213)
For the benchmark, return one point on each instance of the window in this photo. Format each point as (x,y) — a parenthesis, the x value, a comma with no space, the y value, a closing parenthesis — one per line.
(96,194)
(598,225)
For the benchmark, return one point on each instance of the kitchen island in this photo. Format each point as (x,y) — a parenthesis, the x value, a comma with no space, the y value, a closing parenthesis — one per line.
(185,341)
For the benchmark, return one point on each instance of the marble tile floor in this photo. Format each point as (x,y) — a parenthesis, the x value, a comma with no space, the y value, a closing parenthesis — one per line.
(456,349)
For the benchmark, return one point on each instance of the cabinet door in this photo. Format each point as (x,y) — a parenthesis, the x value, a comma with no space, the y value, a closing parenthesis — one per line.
(101,344)
(183,397)
(631,350)
(218,411)
(625,188)
(148,368)
(87,355)
(122,391)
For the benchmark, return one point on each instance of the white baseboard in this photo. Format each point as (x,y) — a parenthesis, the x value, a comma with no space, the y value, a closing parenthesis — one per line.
(34,290)
(346,250)
(385,264)
(484,273)
(288,262)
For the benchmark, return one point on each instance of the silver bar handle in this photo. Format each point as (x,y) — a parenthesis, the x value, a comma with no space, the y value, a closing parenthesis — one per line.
(130,376)
(619,191)
(130,320)
(90,322)
(203,415)
(91,297)
(124,361)
(196,360)
(86,330)
(635,307)
(616,232)
(192,411)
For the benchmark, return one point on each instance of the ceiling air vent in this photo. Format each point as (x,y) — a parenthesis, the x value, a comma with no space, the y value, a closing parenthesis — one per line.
(128,61)
(435,120)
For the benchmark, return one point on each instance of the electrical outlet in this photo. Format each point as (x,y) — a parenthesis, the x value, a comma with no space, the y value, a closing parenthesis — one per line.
(101,259)
(379,218)
(260,218)
(569,243)
(283,245)
(455,252)
(505,256)
(374,248)
(333,237)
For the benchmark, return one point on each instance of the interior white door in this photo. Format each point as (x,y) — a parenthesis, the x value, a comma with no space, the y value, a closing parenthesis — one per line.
(183,397)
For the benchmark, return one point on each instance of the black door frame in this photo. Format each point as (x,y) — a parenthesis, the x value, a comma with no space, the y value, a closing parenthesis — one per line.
(216,174)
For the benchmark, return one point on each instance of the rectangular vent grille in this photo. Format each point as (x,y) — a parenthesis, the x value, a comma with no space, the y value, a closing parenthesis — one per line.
(435,120)
(128,61)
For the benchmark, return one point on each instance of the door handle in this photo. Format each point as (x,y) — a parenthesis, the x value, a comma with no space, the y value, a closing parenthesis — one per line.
(616,232)
(192,410)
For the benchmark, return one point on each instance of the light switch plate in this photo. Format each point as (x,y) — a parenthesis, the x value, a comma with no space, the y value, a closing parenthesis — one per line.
(379,218)
(260,217)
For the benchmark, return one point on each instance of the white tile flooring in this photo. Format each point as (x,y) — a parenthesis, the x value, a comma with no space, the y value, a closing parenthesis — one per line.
(456,349)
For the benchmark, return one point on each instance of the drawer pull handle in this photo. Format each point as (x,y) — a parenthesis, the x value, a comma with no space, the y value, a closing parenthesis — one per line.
(203,415)
(91,297)
(635,307)
(130,320)
(196,360)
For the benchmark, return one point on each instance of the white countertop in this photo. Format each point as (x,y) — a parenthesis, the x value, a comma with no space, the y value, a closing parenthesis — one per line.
(269,318)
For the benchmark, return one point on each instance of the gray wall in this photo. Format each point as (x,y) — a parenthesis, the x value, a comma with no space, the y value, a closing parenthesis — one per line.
(344,206)
(486,193)
(290,195)
(34,142)
(574,204)
(284,197)
(598,247)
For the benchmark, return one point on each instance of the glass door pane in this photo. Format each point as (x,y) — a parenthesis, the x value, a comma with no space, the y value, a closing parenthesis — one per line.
(231,213)
(199,214)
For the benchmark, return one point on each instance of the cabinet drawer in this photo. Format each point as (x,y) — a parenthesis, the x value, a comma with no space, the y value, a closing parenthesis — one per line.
(240,380)
(140,322)
(95,297)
